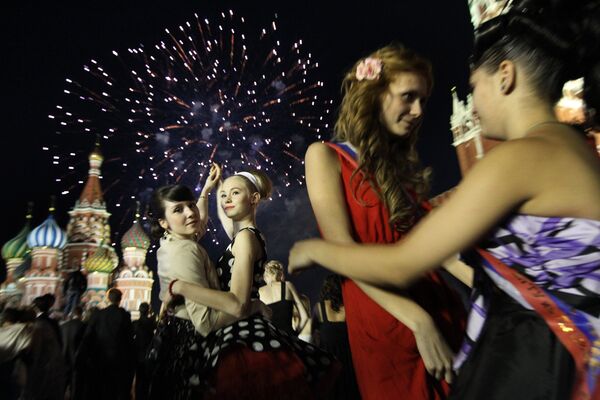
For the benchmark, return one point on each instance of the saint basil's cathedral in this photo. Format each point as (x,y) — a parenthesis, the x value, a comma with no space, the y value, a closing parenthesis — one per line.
(40,260)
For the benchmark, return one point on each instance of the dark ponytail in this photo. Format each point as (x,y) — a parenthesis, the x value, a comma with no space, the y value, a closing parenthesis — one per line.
(553,40)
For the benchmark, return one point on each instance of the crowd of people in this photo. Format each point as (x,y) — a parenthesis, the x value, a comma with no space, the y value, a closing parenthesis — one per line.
(388,323)
(43,356)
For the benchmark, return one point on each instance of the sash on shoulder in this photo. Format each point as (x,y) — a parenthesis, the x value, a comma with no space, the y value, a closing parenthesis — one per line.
(572,327)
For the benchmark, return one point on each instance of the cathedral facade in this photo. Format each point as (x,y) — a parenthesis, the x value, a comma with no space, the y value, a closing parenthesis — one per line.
(43,259)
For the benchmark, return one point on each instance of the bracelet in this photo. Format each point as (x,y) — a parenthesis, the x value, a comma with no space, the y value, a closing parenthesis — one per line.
(171,287)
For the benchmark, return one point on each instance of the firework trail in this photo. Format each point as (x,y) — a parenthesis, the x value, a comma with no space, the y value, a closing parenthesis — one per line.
(209,91)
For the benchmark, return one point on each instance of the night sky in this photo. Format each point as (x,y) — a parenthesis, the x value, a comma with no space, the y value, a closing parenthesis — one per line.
(47,42)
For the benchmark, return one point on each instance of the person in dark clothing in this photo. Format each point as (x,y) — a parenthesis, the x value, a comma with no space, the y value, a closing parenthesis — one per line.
(143,331)
(72,333)
(75,285)
(332,335)
(107,352)
(42,305)
(281,297)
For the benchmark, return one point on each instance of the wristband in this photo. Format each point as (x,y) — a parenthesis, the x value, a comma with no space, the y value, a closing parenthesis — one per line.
(171,287)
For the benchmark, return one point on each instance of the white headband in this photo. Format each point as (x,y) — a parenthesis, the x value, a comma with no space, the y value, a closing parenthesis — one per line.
(248,176)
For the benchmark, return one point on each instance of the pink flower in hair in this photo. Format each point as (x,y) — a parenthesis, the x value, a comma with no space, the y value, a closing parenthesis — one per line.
(369,69)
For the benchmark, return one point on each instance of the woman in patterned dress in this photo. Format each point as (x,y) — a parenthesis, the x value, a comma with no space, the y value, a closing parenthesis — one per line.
(532,205)
(179,220)
(251,358)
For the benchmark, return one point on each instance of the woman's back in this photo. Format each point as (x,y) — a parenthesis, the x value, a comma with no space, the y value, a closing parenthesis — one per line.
(275,295)
(333,337)
(274,292)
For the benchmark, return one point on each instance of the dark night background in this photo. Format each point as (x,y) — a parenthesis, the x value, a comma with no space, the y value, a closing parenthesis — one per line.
(45,42)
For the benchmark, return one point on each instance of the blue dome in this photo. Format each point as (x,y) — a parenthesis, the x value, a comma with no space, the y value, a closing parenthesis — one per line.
(48,234)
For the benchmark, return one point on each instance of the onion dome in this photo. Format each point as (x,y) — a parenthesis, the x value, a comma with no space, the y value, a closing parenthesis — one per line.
(135,236)
(100,261)
(96,154)
(17,246)
(48,234)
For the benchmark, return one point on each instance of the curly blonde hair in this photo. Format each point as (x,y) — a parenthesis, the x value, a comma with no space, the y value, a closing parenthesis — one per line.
(276,268)
(389,163)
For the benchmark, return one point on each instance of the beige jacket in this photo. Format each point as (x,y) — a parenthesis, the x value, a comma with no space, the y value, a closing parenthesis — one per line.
(186,260)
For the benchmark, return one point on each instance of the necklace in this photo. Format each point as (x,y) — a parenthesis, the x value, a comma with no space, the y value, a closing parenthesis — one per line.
(531,128)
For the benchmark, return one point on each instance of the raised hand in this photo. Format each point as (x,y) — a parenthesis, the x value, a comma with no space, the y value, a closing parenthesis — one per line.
(214,176)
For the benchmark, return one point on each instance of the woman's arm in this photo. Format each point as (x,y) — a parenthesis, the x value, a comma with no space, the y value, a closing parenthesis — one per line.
(225,308)
(325,190)
(212,180)
(461,271)
(301,309)
(497,185)
(236,301)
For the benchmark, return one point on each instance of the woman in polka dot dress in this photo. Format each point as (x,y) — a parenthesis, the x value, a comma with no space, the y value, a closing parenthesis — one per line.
(251,359)
(180,221)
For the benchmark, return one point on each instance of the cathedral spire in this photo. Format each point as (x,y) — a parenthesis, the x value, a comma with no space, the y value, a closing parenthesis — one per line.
(91,196)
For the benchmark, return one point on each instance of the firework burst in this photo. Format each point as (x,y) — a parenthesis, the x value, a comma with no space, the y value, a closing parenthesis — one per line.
(209,91)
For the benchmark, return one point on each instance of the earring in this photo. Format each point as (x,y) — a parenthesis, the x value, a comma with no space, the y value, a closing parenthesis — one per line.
(165,234)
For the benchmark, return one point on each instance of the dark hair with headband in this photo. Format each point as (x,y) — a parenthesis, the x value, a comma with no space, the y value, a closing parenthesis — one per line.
(552,40)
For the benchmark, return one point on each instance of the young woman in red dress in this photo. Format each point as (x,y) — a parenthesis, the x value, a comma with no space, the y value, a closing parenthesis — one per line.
(368,187)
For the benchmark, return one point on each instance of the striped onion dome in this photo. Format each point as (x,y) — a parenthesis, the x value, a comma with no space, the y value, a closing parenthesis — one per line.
(17,246)
(135,237)
(100,261)
(48,234)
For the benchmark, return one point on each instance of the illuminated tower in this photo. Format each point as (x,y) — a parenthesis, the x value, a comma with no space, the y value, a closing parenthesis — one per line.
(134,278)
(469,143)
(88,223)
(46,242)
(14,253)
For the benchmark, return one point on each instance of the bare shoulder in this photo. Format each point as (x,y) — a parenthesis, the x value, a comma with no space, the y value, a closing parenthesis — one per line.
(523,157)
(320,153)
(245,239)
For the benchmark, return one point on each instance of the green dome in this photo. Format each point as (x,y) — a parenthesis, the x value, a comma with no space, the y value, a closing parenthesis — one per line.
(100,261)
(135,237)
(17,246)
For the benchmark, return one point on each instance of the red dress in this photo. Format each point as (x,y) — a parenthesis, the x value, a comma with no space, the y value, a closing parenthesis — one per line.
(384,351)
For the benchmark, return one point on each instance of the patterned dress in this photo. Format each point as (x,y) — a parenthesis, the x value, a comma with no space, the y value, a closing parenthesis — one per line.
(512,350)
(268,351)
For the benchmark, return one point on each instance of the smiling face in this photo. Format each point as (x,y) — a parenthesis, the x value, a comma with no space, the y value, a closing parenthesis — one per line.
(236,199)
(402,104)
(181,218)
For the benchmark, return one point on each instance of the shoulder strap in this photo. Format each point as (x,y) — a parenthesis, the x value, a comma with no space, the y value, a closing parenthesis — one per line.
(572,328)
(323,311)
(282,290)
(259,237)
